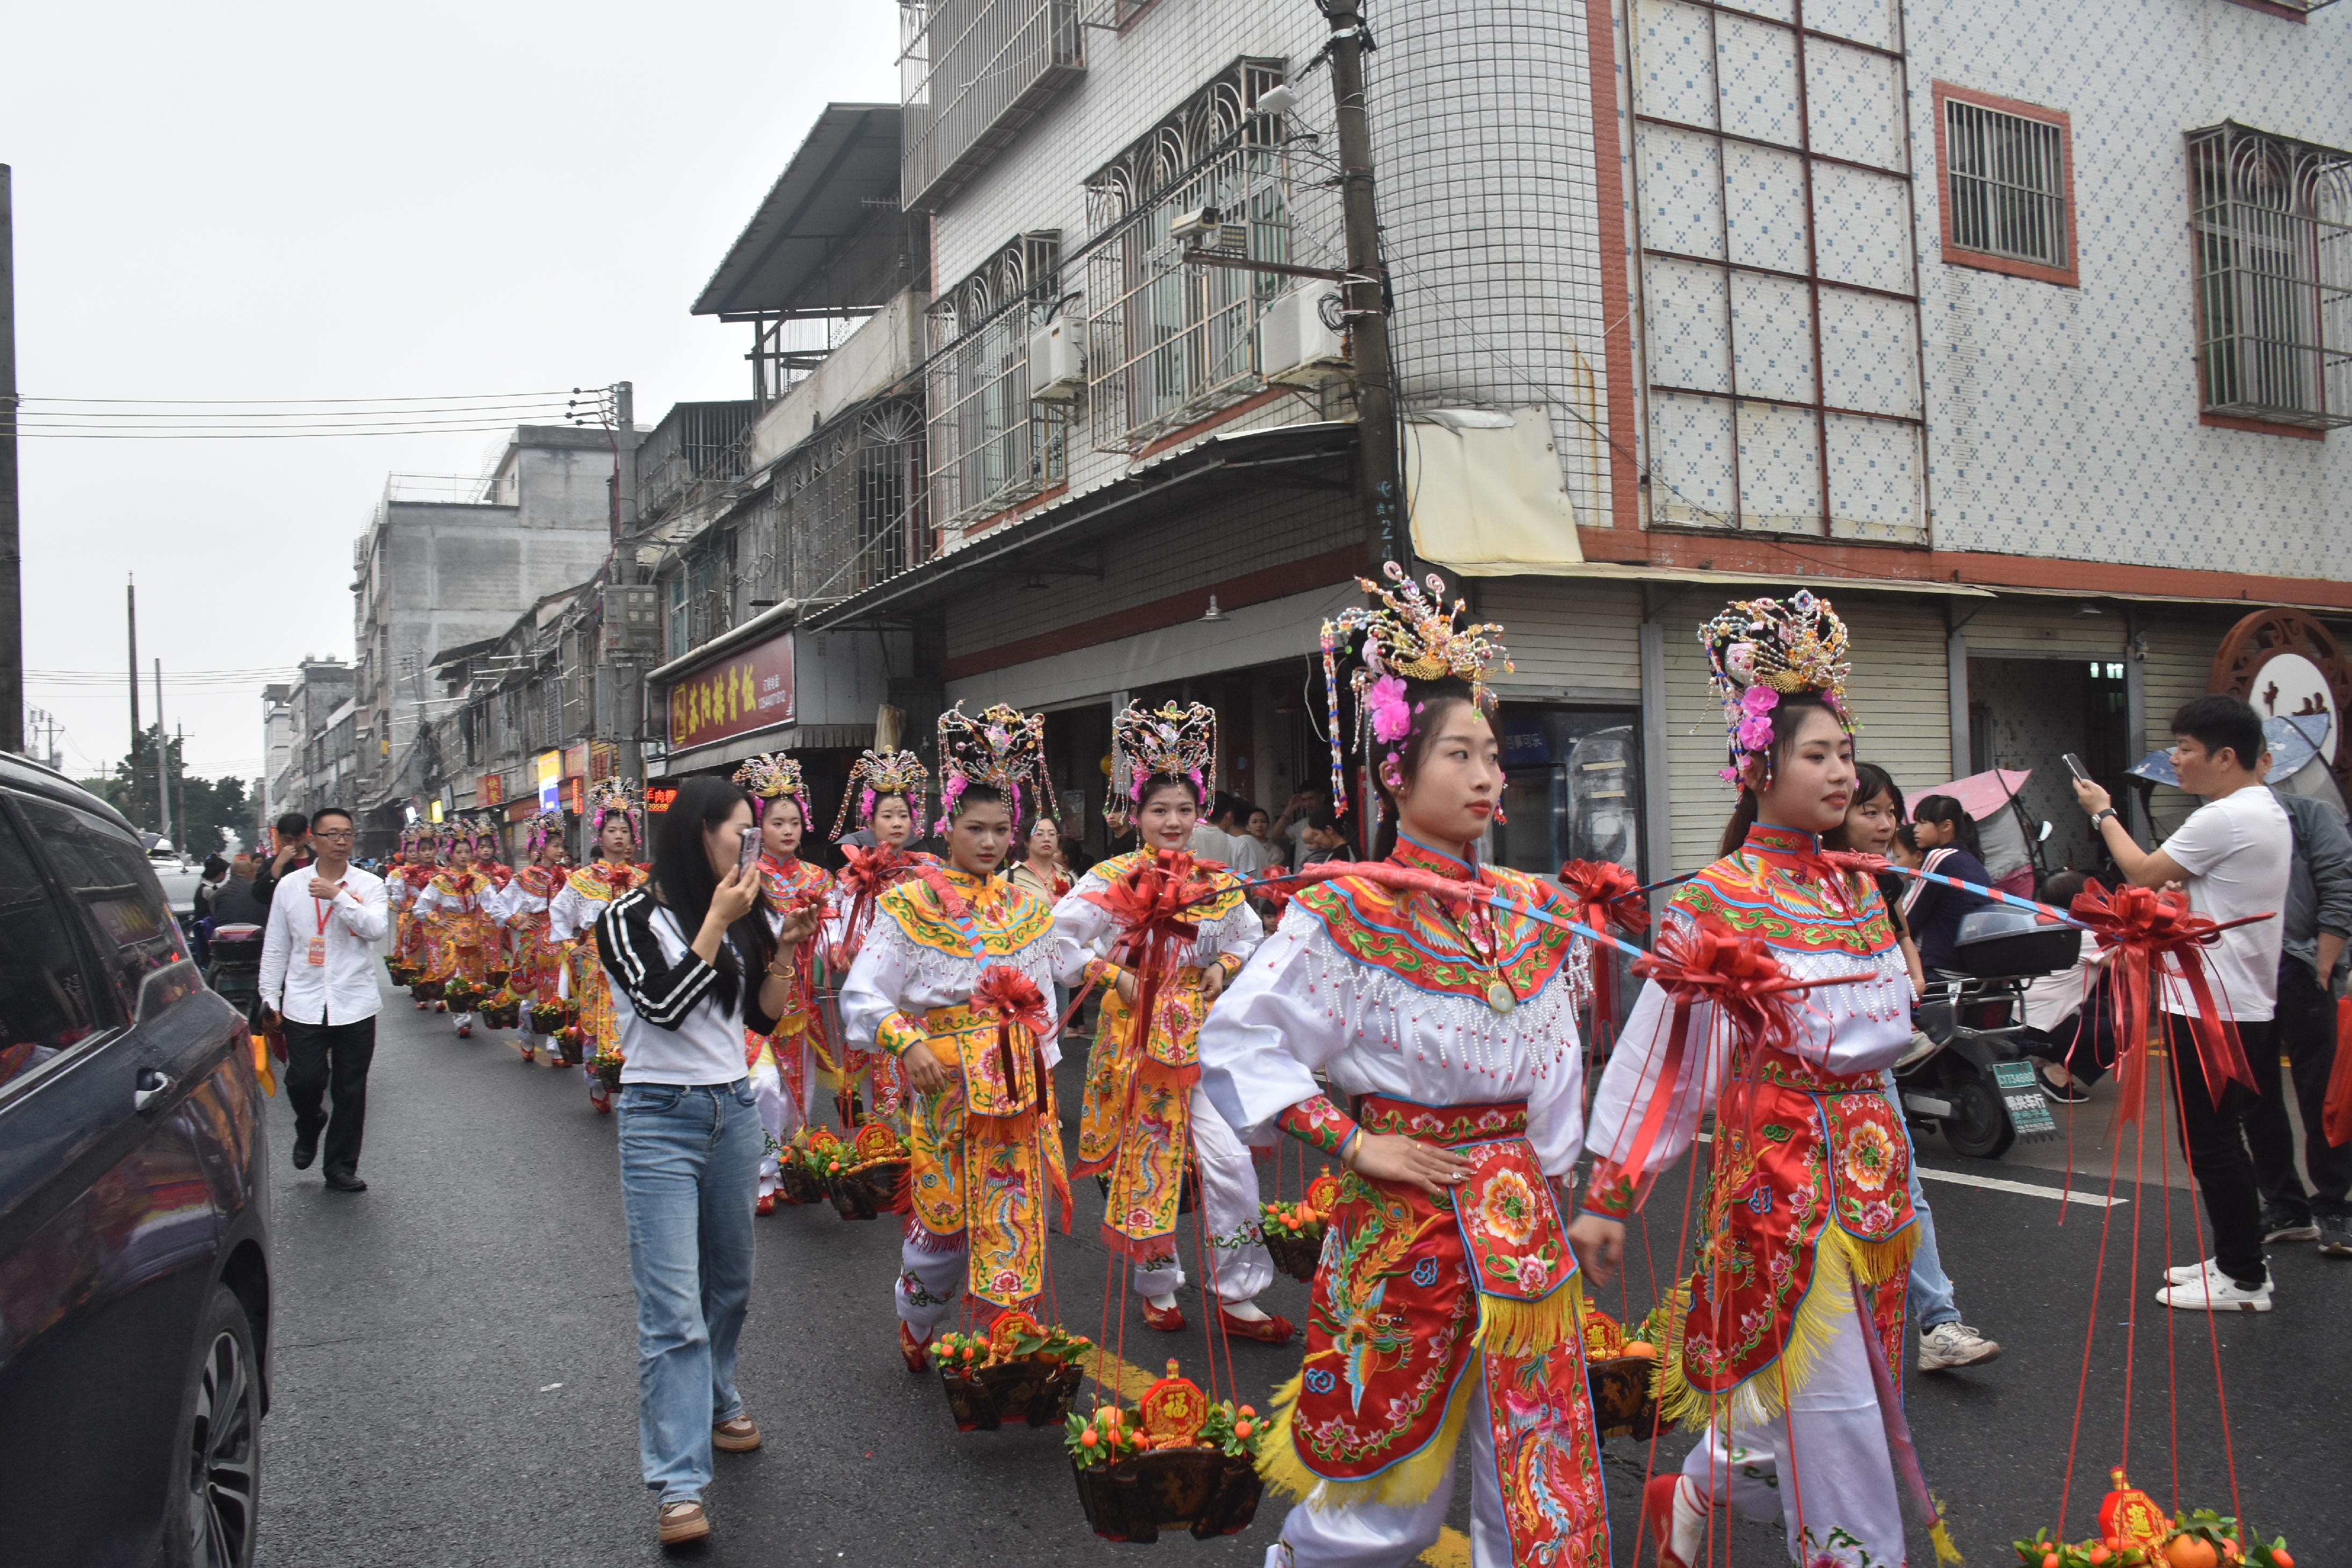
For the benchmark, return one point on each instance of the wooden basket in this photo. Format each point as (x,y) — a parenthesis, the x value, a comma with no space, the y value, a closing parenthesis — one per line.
(547,1017)
(501,1015)
(795,1186)
(1034,1392)
(864,1191)
(1203,1490)
(426,990)
(1296,1256)
(1623,1403)
(497,978)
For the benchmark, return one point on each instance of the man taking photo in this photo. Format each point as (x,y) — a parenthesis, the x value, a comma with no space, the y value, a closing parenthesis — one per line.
(291,847)
(318,973)
(2230,857)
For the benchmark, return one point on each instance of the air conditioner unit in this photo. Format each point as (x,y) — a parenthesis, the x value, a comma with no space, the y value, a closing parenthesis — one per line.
(1297,343)
(1057,361)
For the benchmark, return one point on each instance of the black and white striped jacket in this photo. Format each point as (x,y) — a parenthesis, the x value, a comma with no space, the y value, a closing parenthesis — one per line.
(674,1029)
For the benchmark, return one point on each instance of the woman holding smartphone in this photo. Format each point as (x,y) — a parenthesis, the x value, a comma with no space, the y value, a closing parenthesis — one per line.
(690,1133)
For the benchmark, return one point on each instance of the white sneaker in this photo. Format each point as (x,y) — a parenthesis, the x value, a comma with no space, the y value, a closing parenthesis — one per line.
(2216,1293)
(1954,1344)
(2184,1273)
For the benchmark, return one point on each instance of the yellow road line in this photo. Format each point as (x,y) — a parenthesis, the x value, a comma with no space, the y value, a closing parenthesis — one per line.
(1452,1551)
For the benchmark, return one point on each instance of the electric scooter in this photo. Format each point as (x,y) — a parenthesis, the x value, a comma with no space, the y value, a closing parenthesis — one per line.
(1967,1074)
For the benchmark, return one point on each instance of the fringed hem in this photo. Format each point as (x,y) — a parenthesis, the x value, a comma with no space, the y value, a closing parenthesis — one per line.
(1139,1249)
(1760,1398)
(1404,1484)
(1938,1535)
(1876,1262)
(1520,1329)
(923,1238)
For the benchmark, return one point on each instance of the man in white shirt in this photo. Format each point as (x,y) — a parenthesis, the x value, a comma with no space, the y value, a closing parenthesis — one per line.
(2232,858)
(318,975)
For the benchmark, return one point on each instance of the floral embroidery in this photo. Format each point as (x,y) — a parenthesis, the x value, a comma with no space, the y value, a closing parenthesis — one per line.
(1869,1154)
(1318,1124)
(1507,1211)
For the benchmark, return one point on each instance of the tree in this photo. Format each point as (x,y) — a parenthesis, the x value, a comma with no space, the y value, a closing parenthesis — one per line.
(203,814)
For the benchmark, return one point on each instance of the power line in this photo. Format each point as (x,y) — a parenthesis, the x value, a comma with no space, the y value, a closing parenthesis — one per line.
(225,401)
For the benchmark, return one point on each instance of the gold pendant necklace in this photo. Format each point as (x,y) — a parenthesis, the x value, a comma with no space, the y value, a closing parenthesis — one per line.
(1499,995)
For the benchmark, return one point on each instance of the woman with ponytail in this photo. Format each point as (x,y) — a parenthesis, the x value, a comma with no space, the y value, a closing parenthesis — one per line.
(1445,1024)
(1783,1345)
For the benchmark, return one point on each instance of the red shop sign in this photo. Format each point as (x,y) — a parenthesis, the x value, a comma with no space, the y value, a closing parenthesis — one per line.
(748,690)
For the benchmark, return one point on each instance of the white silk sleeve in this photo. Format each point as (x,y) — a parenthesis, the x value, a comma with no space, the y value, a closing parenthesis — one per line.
(875,985)
(1267,1034)
(1629,1082)
(1082,930)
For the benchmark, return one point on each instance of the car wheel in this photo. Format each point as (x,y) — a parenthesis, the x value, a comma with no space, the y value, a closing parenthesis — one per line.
(1978,1126)
(217,1475)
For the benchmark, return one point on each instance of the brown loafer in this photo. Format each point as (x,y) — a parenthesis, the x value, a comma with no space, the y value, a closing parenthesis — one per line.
(679,1522)
(739,1435)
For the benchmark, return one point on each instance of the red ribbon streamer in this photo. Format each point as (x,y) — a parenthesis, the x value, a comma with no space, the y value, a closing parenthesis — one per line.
(2144,927)
(1012,998)
(1609,895)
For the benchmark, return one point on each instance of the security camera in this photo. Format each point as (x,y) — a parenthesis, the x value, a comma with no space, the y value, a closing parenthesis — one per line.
(1280,99)
(1202,224)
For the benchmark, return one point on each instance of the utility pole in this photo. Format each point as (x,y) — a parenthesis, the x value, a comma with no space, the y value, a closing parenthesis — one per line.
(1366,297)
(12,577)
(162,760)
(130,597)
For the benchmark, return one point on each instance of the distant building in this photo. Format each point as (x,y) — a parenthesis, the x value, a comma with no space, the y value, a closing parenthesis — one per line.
(309,730)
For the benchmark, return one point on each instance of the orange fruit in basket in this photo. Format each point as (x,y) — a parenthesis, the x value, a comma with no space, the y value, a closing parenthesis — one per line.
(1640,1349)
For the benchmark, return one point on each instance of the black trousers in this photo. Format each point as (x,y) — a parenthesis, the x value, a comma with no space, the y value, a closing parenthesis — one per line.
(2215,1137)
(2306,1037)
(323,1058)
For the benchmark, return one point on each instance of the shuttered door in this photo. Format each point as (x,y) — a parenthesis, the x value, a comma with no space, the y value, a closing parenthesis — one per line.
(1566,634)
(1897,693)
(2042,627)
(2179,662)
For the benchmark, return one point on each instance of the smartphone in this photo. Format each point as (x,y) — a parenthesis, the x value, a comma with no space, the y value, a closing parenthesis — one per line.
(2074,765)
(749,855)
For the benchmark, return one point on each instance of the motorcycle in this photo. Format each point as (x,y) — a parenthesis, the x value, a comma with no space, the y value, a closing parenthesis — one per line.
(1966,1073)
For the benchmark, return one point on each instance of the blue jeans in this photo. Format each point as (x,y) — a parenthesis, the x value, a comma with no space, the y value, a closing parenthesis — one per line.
(689,1178)
(1931,1288)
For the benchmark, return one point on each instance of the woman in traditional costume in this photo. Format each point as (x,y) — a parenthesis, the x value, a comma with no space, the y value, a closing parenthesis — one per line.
(780,1062)
(1445,1026)
(462,906)
(888,790)
(955,981)
(400,889)
(1780,1345)
(613,819)
(1144,1119)
(535,969)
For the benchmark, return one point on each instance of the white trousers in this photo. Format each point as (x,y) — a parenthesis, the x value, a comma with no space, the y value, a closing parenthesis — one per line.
(1381,1535)
(1824,1469)
(928,1281)
(1229,1210)
(775,1116)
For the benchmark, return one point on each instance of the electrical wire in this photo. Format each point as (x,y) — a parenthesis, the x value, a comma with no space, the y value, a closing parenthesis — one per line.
(250,419)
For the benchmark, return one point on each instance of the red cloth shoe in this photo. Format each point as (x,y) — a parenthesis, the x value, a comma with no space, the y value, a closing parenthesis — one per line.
(918,1359)
(766,1205)
(465,1031)
(1658,1516)
(1168,1321)
(602,1098)
(1271,1330)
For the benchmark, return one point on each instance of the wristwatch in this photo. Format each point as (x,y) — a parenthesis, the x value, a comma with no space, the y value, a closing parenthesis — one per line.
(2099,817)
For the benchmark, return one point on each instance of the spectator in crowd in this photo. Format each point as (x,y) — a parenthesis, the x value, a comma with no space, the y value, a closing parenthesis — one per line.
(291,843)
(2069,1019)
(235,902)
(2314,922)
(1322,838)
(1289,832)
(2232,858)
(1259,825)
(1040,868)
(1212,837)
(1947,836)
(317,974)
(1250,853)
(1873,813)
(207,888)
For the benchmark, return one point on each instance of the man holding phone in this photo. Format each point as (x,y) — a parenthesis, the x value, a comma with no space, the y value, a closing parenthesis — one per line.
(318,973)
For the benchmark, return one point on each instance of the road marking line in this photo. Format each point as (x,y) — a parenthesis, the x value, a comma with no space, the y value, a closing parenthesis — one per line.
(1452,1551)
(2033,1189)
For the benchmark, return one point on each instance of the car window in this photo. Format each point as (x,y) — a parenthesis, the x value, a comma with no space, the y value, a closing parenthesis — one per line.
(44,998)
(103,869)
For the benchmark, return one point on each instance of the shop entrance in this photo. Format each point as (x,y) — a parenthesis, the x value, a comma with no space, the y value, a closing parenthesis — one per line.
(2029,712)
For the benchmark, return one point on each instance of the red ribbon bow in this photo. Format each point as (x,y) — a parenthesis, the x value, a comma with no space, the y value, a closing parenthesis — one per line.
(869,874)
(1152,903)
(1608,893)
(2143,926)
(1013,999)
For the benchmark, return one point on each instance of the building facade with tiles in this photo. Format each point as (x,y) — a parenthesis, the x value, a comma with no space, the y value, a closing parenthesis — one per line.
(2020,332)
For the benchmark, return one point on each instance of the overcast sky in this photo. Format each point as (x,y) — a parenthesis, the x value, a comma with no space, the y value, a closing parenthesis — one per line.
(243,201)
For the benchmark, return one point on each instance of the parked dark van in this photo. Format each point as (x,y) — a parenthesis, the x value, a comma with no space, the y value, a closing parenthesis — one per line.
(135,1220)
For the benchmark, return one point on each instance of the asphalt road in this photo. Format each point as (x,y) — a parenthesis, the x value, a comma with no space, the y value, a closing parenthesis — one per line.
(455,1371)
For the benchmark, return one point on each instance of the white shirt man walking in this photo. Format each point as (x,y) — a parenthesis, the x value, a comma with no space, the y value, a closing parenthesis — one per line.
(317,974)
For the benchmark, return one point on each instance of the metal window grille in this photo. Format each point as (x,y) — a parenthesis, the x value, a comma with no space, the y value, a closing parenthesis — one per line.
(1168,341)
(989,447)
(850,504)
(2008,179)
(2273,222)
(971,74)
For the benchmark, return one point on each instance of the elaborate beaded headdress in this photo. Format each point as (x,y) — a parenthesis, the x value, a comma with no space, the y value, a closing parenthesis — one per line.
(1760,650)
(1181,742)
(483,829)
(546,828)
(1403,636)
(615,796)
(1004,748)
(771,776)
(879,773)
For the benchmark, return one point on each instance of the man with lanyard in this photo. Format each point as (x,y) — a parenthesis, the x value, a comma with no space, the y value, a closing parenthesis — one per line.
(318,973)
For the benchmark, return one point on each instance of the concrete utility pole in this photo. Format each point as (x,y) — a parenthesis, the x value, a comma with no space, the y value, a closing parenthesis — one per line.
(1366,297)
(162,764)
(12,584)
(131,599)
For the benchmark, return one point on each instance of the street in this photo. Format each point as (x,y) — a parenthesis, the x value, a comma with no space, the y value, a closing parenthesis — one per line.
(455,1363)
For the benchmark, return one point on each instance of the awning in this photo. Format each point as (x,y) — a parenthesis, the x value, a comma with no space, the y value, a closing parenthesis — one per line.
(817,206)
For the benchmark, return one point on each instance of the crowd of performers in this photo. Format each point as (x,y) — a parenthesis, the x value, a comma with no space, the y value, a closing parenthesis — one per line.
(1413,1018)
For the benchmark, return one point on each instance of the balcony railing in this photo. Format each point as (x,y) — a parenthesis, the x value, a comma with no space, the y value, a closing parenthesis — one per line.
(851,504)
(694,441)
(988,446)
(2273,222)
(971,74)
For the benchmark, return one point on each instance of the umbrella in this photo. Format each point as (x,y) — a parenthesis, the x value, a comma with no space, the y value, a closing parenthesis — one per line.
(1982,795)
(2293,741)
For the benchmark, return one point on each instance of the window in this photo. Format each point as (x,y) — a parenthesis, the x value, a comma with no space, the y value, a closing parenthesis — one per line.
(989,447)
(105,872)
(44,999)
(1168,341)
(2272,223)
(2009,186)
(1773,166)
